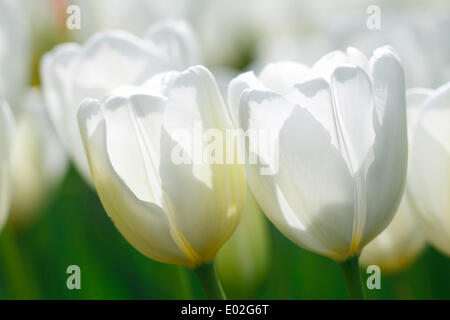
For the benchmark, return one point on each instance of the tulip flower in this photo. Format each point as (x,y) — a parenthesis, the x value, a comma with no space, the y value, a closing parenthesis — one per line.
(244,260)
(403,240)
(6,130)
(177,213)
(71,72)
(428,180)
(14,50)
(38,161)
(336,171)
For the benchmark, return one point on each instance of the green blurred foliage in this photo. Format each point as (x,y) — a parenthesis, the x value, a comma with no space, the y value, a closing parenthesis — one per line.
(74,229)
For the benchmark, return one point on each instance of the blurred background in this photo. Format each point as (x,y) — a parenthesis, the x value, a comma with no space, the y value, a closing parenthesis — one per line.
(68,225)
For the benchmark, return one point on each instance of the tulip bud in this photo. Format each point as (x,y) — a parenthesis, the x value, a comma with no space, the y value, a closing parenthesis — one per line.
(178,213)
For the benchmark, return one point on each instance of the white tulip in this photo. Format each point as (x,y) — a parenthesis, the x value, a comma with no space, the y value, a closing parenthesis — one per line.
(106,61)
(173,213)
(38,160)
(14,50)
(429,172)
(6,133)
(342,141)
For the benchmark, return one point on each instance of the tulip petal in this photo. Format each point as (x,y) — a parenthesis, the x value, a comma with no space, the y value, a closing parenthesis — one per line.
(352,93)
(358,58)
(133,135)
(143,224)
(325,66)
(386,175)
(235,88)
(353,110)
(282,76)
(312,187)
(316,96)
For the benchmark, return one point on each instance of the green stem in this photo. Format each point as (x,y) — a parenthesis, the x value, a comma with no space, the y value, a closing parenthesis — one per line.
(353,278)
(210,282)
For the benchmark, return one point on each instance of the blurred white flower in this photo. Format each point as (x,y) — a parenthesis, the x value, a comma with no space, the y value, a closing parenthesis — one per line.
(14,51)
(429,171)
(6,136)
(38,161)
(71,72)
(398,245)
(417,32)
(342,142)
(173,213)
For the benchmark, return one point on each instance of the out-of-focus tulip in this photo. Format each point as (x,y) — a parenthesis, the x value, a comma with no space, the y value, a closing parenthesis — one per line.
(38,161)
(340,149)
(243,262)
(415,31)
(106,61)
(171,212)
(429,171)
(6,133)
(403,240)
(14,50)
(398,245)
